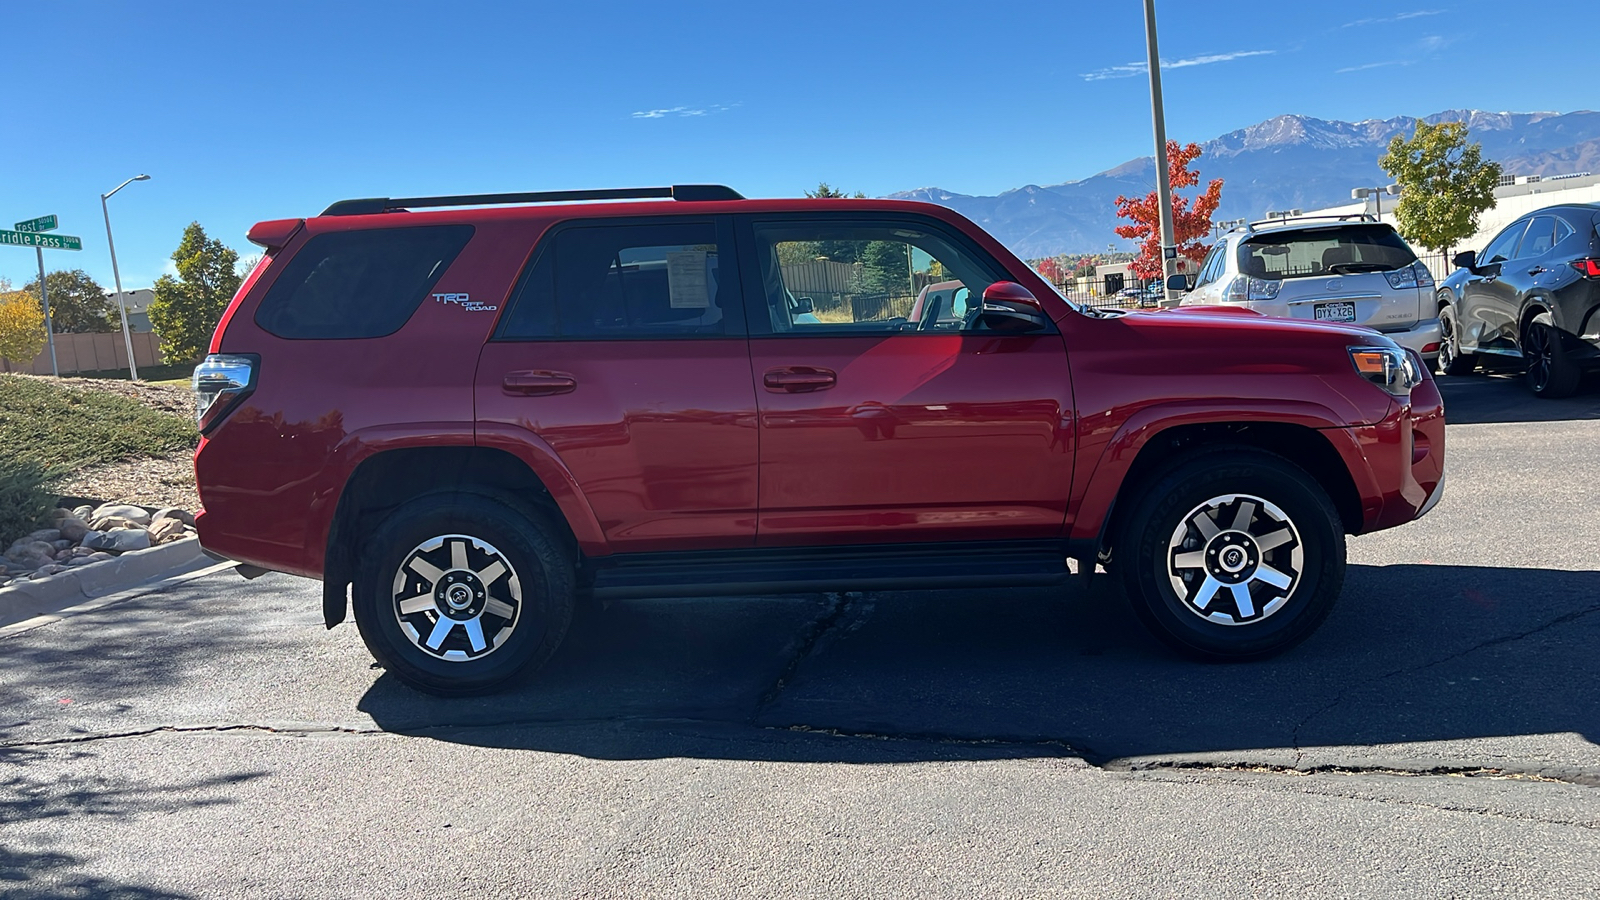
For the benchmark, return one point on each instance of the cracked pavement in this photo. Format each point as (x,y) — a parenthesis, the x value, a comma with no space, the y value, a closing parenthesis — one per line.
(1436,738)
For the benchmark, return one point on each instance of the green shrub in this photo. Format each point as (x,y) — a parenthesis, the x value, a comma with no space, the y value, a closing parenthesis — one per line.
(24,499)
(45,423)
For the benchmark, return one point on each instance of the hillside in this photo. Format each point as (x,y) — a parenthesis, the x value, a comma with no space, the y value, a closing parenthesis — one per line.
(1285,162)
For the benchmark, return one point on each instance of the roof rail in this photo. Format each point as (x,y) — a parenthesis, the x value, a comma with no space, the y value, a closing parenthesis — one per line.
(1280,220)
(369,205)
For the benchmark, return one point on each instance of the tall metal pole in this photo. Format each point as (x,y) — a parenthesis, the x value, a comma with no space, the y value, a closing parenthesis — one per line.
(1163,185)
(122,306)
(49,324)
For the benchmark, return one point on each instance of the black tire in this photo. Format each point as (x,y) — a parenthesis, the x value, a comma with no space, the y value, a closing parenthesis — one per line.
(1452,359)
(1551,372)
(1218,626)
(414,560)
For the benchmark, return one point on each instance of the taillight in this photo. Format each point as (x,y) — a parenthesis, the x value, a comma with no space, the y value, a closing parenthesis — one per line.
(220,383)
(1415,275)
(1243,289)
(1590,267)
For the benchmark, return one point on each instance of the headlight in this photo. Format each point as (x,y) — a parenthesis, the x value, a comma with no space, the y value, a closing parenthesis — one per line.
(1390,368)
(1243,288)
(220,382)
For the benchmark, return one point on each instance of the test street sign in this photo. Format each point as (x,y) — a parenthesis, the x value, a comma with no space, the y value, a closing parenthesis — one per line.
(47,241)
(43,223)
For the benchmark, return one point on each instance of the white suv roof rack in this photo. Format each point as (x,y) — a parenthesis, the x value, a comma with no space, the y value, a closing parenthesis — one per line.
(1251,227)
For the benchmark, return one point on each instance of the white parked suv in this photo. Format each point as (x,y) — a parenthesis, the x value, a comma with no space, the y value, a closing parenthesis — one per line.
(1331,269)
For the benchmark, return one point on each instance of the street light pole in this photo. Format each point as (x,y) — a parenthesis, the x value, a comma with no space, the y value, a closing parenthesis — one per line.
(122,305)
(1169,245)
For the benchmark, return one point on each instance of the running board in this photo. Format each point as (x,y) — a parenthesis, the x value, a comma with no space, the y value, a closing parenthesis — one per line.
(795,570)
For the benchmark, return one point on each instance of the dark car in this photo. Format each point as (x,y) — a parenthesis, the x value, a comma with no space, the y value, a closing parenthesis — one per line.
(1532,297)
(466,420)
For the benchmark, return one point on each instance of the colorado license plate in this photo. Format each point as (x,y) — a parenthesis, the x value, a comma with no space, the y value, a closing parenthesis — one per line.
(1334,312)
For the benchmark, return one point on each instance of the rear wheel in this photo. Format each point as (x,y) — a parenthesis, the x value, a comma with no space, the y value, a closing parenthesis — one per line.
(1551,372)
(1452,360)
(1234,554)
(459,594)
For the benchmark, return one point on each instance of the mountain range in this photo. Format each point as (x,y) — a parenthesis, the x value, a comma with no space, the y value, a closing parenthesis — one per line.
(1286,162)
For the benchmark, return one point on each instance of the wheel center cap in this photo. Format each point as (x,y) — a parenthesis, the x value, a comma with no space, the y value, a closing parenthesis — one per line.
(1232,556)
(460,595)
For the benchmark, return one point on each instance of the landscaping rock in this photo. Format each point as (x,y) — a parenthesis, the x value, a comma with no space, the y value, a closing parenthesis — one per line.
(134,514)
(78,561)
(48,535)
(73,528)
(28,554)
(163,530)
(83,512)
(47,571)
(99,556)
(120,540)
(172,512)
(58,514)
(107,523)
(62,544)
(81,551)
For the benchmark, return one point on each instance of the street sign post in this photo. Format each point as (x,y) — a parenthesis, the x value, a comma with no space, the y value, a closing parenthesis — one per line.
(31,234)
(37,239)
(43,223)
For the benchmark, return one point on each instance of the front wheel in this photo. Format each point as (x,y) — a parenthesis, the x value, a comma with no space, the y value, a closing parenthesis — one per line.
(1452,360)
(1235,554)
(459,594)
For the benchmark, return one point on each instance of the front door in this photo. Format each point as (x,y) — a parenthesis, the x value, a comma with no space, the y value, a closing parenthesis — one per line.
(1489,296)
(624,350)
(883,419)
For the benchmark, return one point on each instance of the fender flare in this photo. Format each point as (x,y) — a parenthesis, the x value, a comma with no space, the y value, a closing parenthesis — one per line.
(535,453)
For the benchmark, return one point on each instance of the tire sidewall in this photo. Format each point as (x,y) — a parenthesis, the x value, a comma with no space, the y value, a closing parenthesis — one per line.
(1244,471)
(542,569)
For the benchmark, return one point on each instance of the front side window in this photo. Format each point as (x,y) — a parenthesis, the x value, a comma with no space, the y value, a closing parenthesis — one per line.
(1330,250)
(1504,246)
(1211,269)
(822,277)
(624,281)
(359,284)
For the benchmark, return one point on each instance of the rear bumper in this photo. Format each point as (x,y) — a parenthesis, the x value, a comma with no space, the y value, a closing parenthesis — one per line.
(1422,337)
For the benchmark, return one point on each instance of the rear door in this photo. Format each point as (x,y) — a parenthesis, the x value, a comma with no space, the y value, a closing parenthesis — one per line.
(878,429)
(624,350)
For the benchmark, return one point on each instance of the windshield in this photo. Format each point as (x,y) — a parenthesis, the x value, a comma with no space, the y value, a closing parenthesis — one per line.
(1335,250)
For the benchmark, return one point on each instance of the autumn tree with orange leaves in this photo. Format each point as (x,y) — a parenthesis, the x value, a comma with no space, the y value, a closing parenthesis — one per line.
(1190,225)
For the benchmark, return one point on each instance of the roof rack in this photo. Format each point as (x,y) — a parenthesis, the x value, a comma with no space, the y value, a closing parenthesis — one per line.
(1280,220)
(369,205)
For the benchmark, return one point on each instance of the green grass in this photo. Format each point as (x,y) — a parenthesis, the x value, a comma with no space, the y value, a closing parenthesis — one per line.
(178,375)
(53,426)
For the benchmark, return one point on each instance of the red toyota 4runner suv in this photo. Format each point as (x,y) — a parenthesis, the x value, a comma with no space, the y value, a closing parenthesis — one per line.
(465,420)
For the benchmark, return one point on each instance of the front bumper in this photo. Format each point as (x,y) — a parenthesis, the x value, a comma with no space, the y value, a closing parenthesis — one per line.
(1397,463)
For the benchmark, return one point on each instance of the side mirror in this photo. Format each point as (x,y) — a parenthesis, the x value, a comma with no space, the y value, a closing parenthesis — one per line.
(1178,283)
(803,305)
(1466,259)
(1010,307)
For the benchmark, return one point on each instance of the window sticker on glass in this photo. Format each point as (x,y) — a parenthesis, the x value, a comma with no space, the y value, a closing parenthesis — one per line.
(686,279)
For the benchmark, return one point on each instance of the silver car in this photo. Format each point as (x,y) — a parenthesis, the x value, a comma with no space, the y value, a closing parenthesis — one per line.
(1348,269)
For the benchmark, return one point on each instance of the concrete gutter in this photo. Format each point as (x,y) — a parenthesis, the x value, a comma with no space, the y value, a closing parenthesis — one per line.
(24,600)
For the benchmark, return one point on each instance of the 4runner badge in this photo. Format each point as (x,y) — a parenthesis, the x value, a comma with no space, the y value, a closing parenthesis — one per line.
(465,302)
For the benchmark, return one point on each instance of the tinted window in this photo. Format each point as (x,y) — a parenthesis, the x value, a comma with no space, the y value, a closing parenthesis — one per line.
(1563,231)
(624,281)
(833,277)
(1540,237)
(1310,252)
(1211,270)
(359,284)
(1504,246)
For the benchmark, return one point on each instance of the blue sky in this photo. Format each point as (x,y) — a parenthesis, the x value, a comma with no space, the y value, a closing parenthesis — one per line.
(242,112)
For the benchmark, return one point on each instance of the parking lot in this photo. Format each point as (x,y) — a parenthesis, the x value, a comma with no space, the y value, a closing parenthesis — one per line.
(1436,737)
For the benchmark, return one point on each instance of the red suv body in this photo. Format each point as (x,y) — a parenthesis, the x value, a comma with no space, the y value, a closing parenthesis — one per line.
(475,416)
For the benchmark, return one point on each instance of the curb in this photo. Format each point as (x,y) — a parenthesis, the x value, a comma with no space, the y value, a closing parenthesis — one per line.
(22,600)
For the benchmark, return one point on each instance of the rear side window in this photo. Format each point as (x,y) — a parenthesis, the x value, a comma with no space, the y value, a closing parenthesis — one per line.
(626,281)
(1311,252)
(359,284)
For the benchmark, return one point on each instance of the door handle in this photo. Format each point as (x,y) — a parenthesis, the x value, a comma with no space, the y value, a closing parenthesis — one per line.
(1537,270)
(798,379)
(539,384)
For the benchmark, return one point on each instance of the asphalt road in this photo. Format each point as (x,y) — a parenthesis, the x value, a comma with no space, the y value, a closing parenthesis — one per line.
(1436,738)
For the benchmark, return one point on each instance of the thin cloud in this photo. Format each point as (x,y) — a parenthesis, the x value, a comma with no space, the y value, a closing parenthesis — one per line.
(1428,47)
(1135,69)
(686,112)
(1383,20)
(1376,65)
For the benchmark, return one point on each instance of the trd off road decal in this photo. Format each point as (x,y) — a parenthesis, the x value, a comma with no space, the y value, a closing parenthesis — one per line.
(465,302)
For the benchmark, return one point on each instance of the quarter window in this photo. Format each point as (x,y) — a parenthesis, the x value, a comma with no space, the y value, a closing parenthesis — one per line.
(359,284)
(625,281)
(1539,239)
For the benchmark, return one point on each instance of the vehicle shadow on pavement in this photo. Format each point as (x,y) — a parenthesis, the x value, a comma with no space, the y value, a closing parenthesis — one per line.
(1482,399)
(1412,653)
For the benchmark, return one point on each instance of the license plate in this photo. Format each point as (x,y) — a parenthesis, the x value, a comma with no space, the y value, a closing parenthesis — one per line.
(1334,312)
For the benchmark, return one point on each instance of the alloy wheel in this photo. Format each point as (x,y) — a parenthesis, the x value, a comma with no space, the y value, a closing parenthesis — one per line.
(457,597)
(1540,350)
(1449,346)
(1235,559)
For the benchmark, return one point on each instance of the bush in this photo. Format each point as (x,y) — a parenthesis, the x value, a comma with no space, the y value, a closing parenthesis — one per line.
(24,499)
